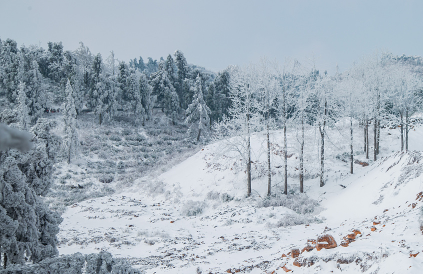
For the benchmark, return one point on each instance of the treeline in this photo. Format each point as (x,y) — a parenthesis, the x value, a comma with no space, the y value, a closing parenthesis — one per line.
(380,91)
(109,87)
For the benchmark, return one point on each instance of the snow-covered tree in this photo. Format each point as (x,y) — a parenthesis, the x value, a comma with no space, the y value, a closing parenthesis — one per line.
(28,228)
(23,112)
(244,120)
(167,98)
(9,62)
(182,74)
(70,141)
(198,112)
(147,99)
(35,92)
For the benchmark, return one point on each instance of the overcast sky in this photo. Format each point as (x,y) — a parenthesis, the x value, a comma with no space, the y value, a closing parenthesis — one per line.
(218,33)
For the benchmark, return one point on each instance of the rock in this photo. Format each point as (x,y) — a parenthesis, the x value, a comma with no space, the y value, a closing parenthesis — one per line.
(286,269)
(345,243)
(373,228)
(414,255)
(296,263)
(295,252)
(284,255)
(363,164)
(308,248)
(325,241)
(376,222)
(351,236)
(311,241)
(356,232)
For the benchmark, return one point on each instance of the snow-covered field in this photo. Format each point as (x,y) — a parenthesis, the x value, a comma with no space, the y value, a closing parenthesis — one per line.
(194,217)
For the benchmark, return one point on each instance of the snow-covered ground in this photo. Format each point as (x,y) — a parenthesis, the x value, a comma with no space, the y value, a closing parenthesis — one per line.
(194,217)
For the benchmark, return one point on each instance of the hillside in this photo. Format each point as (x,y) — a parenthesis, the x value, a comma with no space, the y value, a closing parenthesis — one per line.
(194,217)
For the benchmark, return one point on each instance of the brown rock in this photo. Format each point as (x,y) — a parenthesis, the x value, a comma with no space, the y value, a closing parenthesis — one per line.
(286,269)
(297,263)
(414,255)
(308,248)
(356,232)
(311,241)
(325,241)
(376,222)
(420,196)
(363,164)
(283,255)
(295,252)
(345,243)
(351,236)
(373,228)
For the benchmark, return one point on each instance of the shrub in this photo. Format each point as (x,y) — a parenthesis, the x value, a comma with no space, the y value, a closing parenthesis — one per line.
(193,208)
(295,219)
(299,202)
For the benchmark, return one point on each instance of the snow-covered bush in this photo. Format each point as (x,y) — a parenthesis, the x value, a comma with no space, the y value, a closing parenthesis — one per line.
(224,197)
(299,202)
(101,263)
(295,219)
(193,208)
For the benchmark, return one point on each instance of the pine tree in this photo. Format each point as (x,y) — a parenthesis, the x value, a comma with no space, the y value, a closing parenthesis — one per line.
(167,98)
(28,228)
(182,74)
(147,99)
(23,112)
(70,142)
(9,62)
(35,92)
(198,112)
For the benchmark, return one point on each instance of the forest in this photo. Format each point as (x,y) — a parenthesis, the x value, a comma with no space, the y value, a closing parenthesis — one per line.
(381,91)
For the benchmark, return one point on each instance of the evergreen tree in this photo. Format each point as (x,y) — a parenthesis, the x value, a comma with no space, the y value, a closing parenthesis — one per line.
(222,99)
(122,80)
(28,228)
(35,92)
(147,99)
(9,62)
(182,74)
(171,70)
(198,112)
(23,112)
(56,58)
(70,142)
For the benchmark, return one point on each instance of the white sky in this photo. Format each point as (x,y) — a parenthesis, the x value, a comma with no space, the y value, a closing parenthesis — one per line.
(218,33)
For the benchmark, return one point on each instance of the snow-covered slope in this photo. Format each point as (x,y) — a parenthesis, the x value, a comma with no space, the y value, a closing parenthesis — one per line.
(195,218)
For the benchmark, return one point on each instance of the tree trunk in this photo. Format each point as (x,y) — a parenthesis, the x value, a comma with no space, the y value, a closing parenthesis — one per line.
(301,155)
(322,156)
(199,133)
(69,153)
(269,174)
(100,118)
(402,131)
(367,139)
(352,151)
(249,158)
(378,137)
(285,148)
(375,140)
(406,129)
(4,260)
(364,130)
(322,148)
(269,171)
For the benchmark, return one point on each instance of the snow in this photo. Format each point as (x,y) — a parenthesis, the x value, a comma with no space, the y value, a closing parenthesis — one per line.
(194,217)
